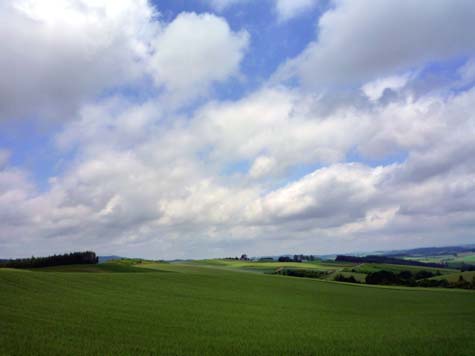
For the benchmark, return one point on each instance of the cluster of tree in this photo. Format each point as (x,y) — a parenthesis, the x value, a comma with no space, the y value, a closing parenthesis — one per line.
(297,258)
(305,273)
(286,259)
(342,278)
(460,283)
(306,257)
(387,260)
(466,267)
(242,258)
(73,258)
(418,279)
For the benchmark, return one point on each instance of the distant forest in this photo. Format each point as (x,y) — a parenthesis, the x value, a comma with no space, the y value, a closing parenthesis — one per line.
(73,258)
(388,260)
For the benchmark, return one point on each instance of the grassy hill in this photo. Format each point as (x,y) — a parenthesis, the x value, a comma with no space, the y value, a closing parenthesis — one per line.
(454,260)
(201,310)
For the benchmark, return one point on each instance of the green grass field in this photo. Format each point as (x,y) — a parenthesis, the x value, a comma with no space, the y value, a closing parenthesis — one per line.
(201,310)
(271,267)
(454,261)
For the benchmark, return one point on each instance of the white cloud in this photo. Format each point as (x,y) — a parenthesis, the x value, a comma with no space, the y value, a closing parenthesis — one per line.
(467,72)
(262,166)
(360,41)
(375,89)
(288,9)
(141,179)
(148,191)
(74,50)
(330,196)
(278,123)
(196,50)
(78,49)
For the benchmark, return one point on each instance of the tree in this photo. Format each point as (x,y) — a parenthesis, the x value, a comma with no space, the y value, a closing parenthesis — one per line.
(87,257)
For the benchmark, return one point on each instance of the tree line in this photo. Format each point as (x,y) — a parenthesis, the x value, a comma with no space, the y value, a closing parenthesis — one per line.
(410,279)
(73,258)
(297,258)
(387,260)
(305,273)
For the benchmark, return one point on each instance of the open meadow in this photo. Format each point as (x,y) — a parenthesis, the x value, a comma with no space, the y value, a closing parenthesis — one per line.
(199,309)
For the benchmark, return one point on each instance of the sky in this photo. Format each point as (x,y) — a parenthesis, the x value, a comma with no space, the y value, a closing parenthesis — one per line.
(208,128)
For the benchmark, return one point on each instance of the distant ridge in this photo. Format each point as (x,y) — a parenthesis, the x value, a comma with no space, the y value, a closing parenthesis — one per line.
(103,259)
(432,251)
(414,252)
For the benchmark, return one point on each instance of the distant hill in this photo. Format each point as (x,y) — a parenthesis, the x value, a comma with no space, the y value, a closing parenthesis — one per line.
(432,251)
(103,259)
(415,252)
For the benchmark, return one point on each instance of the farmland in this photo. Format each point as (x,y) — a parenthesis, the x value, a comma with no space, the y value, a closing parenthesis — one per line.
(201,309)
(455,259)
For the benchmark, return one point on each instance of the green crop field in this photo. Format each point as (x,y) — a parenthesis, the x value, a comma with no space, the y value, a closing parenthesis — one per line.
(454,260)
(192,309)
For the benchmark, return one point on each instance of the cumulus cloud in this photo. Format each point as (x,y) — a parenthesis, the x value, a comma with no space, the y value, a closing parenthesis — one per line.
(329,196)
(150,191)
(375,89)
(79,49)
(212,53)
(74,50)
(277,123)
(278,170)
(359,41)
(262,166)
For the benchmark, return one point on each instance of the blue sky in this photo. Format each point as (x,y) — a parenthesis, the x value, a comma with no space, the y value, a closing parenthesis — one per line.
(177,129)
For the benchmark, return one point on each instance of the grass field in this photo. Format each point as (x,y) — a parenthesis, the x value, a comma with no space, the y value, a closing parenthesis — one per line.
(200,310)
(271,267)
(255,264)
(454,261)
